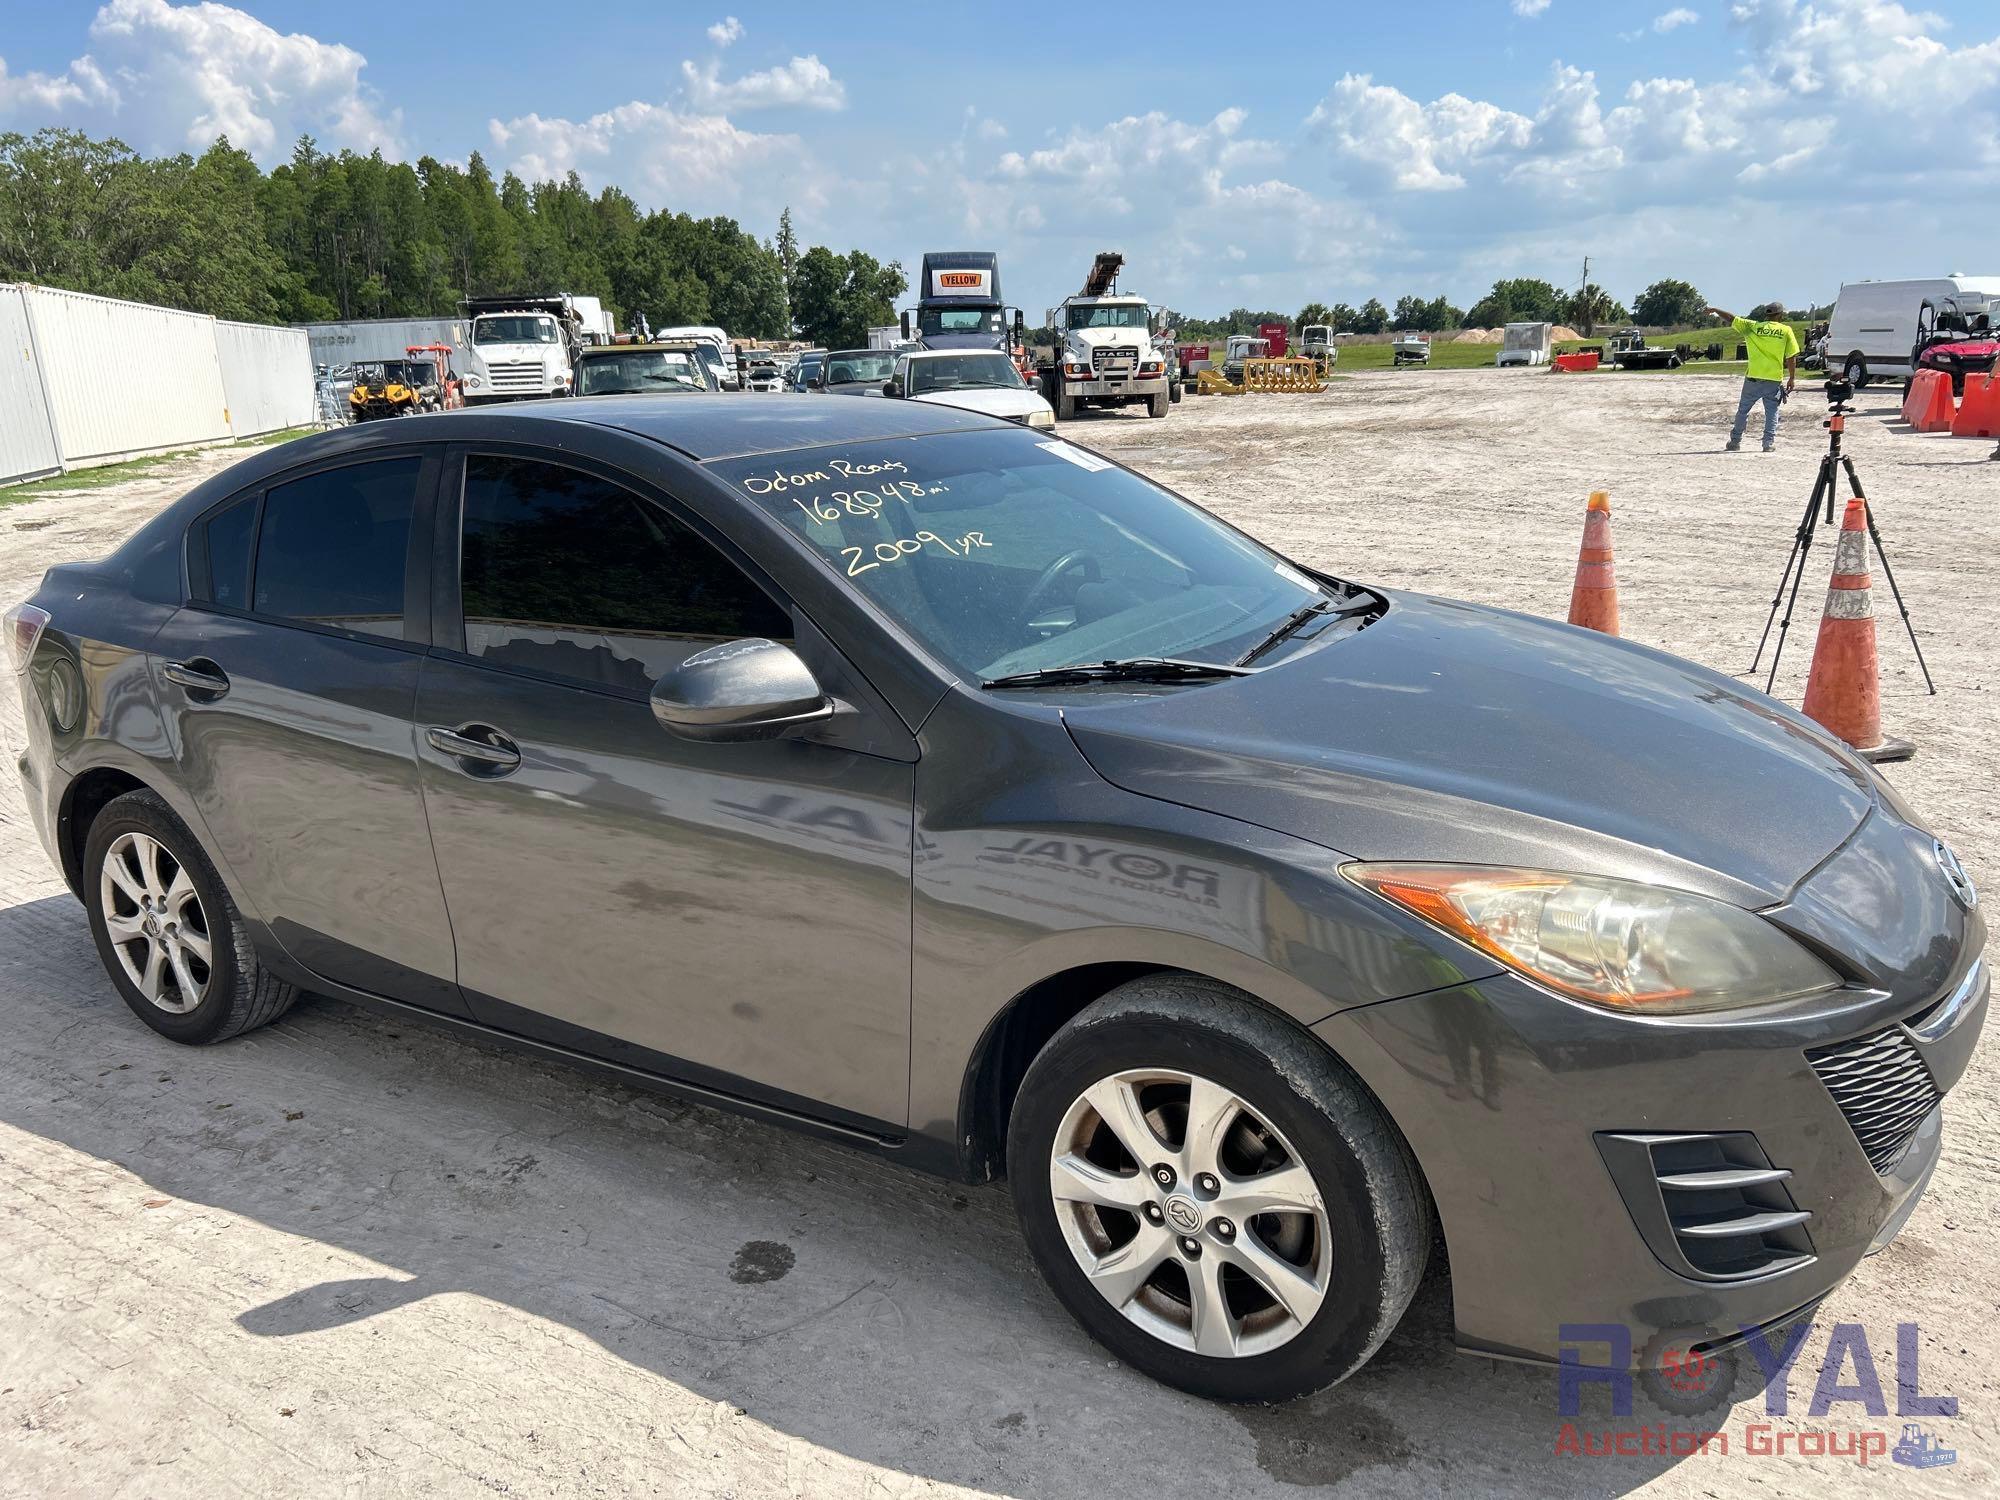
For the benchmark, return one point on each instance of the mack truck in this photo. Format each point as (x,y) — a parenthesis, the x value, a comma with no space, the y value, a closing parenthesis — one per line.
(1104,351)
(959,306)
(527,344)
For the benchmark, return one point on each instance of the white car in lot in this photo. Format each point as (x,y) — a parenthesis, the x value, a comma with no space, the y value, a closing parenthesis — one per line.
(978,380)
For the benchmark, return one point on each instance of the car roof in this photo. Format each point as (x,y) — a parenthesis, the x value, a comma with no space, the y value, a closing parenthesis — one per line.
(946,353)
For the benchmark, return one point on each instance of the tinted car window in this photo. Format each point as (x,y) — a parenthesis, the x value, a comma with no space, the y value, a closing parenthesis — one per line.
(564,572)
(333,547)
(230,533)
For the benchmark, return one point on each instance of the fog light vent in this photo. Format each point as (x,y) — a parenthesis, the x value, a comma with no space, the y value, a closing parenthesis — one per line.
(1882,1086)
(1711,1206)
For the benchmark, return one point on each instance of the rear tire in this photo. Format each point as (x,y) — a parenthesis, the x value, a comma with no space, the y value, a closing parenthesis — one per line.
(172,941)
(1271,1301)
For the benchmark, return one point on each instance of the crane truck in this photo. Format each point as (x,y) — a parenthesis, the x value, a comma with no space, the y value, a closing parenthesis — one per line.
(1104,351)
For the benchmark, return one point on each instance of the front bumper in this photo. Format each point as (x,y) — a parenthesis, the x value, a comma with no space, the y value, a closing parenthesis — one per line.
(1509,1096)
(1135,386)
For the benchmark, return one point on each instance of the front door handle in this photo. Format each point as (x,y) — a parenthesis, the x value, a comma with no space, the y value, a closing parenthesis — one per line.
(202,678)
(485,747)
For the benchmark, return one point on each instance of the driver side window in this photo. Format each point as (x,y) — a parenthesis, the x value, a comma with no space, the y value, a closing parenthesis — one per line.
(564,573)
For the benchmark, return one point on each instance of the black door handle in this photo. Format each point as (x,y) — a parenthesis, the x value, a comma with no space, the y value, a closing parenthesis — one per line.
(202,678)
(488,751)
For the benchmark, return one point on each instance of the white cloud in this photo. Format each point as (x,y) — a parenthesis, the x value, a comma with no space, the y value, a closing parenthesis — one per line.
(1530,8)
(802,83)
(1423,147)
(725,31)
(659,153)
(1674,19)
(174,77)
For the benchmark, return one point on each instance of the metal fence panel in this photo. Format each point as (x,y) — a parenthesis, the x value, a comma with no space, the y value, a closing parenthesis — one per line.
(27,437)
(123,377)
(267,377)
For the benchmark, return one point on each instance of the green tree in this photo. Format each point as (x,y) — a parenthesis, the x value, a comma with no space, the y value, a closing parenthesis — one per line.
(1373,317)
(836,299)
(1311,313)
(1668,304)
(1590,305)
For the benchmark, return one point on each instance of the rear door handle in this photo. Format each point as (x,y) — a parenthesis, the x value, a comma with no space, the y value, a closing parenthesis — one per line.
(485,747)
(200,676)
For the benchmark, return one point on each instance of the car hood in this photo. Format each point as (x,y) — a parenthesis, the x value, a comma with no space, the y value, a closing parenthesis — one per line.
(993,402)
(1456,733)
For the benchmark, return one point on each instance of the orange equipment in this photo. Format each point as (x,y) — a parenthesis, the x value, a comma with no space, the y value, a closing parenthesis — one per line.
(1927,405)
(1593,598)
(1844,690)
(1979,412)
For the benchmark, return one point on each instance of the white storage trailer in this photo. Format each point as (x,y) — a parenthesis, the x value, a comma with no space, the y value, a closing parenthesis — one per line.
(1524,344)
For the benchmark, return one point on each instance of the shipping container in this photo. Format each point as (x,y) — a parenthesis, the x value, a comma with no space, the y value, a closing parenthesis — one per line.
(267,376)
(27,435)
(125,378)
(343,343)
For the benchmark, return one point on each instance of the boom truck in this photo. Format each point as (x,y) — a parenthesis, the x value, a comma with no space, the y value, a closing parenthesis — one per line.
(1104,351)
(528,344)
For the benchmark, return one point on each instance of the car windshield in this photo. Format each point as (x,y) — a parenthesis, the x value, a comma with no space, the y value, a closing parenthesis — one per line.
(952,372)
(639,371)
(526,329)
(1114,315)
(859,367)
(959,319)
(1004,552)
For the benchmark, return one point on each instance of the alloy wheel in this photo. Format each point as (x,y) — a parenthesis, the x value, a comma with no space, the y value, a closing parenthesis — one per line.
(156,923)
(1190,1213)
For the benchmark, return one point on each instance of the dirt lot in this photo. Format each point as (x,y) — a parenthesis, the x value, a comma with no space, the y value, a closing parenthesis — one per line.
(343,1256)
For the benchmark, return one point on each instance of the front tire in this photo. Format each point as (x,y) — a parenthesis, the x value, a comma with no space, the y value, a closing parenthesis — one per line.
(1212,1195)
(172,941)
(1156,405)
(1856,371)
(1065,406)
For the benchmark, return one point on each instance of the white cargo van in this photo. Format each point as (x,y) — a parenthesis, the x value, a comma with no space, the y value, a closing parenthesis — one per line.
(1874,323)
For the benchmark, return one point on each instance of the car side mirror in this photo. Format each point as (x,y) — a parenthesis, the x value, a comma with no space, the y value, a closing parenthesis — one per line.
(751,689)
(889,388)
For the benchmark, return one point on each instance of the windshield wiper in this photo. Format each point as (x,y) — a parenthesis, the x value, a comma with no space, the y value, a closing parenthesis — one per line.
(1127,669)
(1296,620)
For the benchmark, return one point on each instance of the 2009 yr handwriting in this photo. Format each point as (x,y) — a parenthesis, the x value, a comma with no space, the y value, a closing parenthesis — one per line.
(857,561)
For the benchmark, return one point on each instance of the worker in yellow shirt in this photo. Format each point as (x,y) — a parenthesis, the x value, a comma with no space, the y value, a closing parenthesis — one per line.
(1773,372)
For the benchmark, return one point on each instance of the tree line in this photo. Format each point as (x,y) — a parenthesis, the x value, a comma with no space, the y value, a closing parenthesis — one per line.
(344,235)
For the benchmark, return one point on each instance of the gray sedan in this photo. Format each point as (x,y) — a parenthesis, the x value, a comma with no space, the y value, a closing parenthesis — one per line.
(947,789)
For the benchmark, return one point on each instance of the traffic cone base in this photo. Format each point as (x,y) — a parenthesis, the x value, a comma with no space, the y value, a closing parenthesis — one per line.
(1844,690)
(1593,598)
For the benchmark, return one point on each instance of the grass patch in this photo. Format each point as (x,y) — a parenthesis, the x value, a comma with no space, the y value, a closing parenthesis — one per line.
(106,475)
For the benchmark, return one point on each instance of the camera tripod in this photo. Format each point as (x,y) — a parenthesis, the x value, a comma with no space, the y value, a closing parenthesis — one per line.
(1821,500)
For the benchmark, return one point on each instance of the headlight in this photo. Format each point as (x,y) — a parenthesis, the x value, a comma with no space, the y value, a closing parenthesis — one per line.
(1614,943)
(1071,367)
(1042,418)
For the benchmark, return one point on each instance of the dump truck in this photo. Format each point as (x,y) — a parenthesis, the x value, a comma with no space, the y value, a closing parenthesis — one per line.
(1104,352)
(527,342)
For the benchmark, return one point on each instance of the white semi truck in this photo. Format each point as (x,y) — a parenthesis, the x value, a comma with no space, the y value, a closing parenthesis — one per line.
(527,344)
(1104,351)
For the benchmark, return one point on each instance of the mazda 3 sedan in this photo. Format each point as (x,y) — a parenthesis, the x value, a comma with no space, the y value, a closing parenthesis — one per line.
(941,787)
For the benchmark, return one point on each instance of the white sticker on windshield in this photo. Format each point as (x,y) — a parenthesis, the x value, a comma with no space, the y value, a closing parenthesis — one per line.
(1293,575)
(1077,456)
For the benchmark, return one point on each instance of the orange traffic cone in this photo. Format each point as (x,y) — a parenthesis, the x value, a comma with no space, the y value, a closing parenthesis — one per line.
(1593,598)
(1844,690)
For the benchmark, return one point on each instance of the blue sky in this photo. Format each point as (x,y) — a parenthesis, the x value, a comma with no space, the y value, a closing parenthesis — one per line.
(1250,155)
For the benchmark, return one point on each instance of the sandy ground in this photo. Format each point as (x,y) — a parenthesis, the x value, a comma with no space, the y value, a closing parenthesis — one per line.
(347,1257)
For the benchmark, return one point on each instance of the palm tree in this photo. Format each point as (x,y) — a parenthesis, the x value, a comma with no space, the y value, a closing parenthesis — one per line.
(1589,304)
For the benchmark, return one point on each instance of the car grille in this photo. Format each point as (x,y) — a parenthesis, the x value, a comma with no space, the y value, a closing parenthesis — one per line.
(1882,1086)
(1710,1205)
(1122,360)
(515,376)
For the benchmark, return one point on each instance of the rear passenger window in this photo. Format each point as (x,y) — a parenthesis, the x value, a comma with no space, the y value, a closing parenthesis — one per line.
(229,535)
(567,573)
(333,547)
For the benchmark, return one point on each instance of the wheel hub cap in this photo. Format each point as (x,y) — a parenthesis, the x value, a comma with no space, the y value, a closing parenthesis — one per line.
(1190,1213)
(158,930)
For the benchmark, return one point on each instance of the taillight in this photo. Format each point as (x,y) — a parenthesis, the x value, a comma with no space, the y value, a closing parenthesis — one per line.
(25,624)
